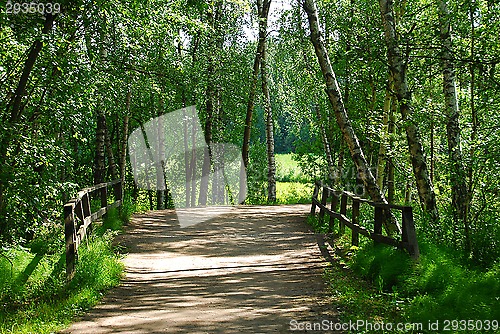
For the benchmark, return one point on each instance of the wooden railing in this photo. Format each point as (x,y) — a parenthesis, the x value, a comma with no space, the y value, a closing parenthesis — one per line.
(78,218)
(408,239)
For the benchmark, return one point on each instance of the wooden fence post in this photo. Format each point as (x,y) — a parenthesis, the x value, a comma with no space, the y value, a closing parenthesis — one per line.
(409,234)
(324,197)
(87,211)
(314,197)
(343,211)
(355,221)
(104,200)
(335,203)
(118,192)
(69,233)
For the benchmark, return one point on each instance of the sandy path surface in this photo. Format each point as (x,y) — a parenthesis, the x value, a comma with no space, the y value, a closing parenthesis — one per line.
(247,269)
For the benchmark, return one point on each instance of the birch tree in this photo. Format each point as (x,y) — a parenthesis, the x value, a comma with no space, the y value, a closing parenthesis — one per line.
(398,68)
(343,121)
(458,174)
(271,164)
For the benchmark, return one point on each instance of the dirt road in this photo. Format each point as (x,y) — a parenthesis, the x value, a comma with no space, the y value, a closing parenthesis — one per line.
(250,269)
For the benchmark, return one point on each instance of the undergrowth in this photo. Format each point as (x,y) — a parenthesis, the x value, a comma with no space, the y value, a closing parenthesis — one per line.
(34,294)
(379,283)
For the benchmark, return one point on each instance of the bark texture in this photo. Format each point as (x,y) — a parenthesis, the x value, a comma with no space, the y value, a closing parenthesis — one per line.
(123,149)
(398,69)
(271,163)
(382,152)
(99,159)
(343,121)
(458,174)
(326,146)
(209,107)
(263,11)
(109,152)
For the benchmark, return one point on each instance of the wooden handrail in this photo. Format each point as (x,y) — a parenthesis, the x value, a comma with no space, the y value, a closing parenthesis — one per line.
(382,210)
(78,218)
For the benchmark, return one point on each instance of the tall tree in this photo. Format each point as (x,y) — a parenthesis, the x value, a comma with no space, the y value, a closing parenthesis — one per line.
(15,108)
(458,173)
(271,164)
(343,121)
(262,13)
(100,139)
(213,16)
(398,67)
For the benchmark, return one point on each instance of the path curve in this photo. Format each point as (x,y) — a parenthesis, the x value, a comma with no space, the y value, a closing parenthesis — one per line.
(250,269)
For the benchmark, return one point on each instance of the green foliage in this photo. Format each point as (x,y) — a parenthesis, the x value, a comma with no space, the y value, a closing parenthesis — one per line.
(34,295)
(437,287)
(291,188)
(293,193)
(317,224)
(358,299)
(288,170)
(257,175)
(386,267)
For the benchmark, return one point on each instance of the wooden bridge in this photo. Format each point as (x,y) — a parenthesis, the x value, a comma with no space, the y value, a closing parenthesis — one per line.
(246,269)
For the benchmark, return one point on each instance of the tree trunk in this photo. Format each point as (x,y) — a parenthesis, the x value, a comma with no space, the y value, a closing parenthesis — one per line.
(382,157)
(187,153)
(99,161)
(123,149)
(14,108)
(109,152)
(459,195)
(390,160)
(342,118)
(326,146)
(161,186)
(193,161)
(213,16)
(398,70)
(340,163)
(474,116)
(271,164)
(262,11)
(202,199)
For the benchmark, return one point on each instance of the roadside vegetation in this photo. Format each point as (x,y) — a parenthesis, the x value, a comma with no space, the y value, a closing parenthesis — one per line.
(397,101)
(34,294)
(293,186)
(378,283)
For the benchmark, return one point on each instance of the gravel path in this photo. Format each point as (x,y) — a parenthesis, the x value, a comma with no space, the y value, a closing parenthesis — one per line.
(250,269)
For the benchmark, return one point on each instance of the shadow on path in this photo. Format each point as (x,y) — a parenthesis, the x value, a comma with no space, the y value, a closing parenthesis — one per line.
(252,269)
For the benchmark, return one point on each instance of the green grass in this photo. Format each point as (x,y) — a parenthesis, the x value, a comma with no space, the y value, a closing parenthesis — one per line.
(439,286)
(292,186)
(34,295)
(380,283)
(293,192)
(288,170)
(356,297)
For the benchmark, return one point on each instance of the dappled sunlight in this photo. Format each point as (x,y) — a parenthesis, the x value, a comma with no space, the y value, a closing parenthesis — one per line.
(250,269)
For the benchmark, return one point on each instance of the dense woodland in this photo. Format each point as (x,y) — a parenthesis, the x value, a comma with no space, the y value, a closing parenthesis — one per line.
(395,100)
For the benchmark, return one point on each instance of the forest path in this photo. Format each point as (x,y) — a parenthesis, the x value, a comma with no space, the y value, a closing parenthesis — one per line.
(250,269)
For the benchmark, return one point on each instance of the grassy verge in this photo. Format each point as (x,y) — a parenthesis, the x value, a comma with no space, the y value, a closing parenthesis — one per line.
(34,296)
(292,186)
(293,192)
(378,283)
(288,170)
